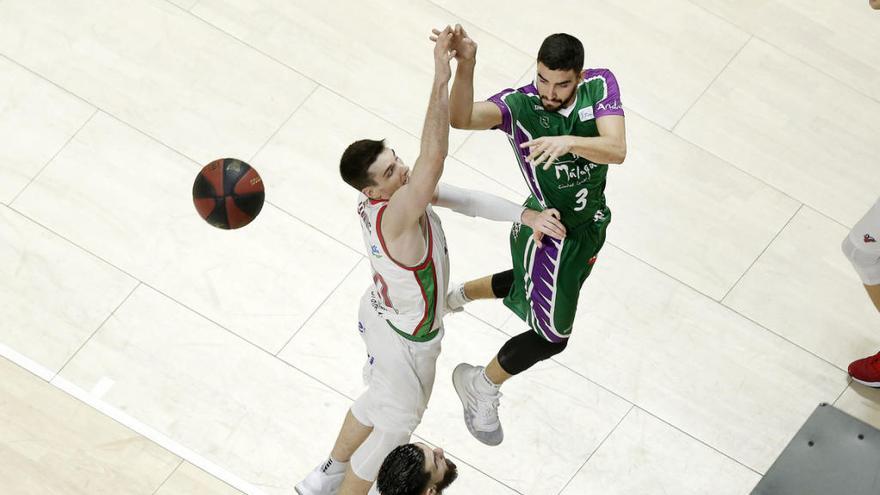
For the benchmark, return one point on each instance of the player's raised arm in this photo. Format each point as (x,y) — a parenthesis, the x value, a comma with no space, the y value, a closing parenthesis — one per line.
(464,112)
(408,204)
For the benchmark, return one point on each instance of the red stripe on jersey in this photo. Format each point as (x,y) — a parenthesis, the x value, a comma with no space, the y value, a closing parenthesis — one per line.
(421,265)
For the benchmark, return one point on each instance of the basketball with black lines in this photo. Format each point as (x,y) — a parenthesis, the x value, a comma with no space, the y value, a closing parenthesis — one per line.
(228,193)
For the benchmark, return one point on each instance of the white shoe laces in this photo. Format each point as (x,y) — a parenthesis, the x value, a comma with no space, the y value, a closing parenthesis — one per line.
(485,409)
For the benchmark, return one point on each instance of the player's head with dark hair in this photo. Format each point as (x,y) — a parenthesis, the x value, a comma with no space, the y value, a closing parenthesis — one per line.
(372,168)
(560,62)
(562,51)
(415,469)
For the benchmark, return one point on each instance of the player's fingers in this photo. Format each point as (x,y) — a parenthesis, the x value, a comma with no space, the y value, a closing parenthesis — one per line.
(553,212)
(536,156)
(555,223)
(549,229)
(554,235)
(528,144)
(560,228)
(550,161)
(435,30)
(537,237)
(545,154)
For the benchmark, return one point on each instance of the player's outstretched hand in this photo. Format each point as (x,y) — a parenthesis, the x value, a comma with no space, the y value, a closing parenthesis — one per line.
(547,149)
(543,223)
(465,48)
(443,53)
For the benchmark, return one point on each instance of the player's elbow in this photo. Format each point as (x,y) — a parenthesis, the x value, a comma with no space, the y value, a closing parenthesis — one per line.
(435,155)
(619,154)
(459,121)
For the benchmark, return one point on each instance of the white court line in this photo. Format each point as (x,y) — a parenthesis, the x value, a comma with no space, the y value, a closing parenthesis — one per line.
(93,399)
(26,363)
(102,387)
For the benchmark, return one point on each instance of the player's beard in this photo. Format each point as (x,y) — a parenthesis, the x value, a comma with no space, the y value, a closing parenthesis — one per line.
(449,477)
(557,104)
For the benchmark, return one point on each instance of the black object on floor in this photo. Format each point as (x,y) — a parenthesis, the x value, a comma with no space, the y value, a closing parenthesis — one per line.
(832,454)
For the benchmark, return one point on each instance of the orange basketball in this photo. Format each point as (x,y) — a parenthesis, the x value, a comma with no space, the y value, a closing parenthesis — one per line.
(228,193)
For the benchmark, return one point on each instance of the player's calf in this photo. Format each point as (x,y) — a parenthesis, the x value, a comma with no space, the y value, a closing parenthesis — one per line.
(523,351)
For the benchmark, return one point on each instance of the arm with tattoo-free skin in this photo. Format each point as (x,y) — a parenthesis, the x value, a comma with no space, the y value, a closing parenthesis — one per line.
(608,147)
(464,112)
(407,205)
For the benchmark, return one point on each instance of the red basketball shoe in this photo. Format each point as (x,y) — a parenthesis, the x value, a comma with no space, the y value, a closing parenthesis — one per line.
(866,370)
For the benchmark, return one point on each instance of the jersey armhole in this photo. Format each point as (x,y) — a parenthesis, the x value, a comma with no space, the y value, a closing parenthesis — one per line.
(429,239)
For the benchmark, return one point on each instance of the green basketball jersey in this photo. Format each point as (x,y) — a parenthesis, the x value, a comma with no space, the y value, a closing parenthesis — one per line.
(573,185)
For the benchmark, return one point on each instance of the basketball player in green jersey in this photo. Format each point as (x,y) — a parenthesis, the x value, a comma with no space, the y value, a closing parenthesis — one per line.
(565,128)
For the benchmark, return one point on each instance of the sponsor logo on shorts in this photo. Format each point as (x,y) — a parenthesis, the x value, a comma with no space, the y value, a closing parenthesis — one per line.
(868,239)
(599,216)
(361,327)
(592,261)
(375,250)
(515,231)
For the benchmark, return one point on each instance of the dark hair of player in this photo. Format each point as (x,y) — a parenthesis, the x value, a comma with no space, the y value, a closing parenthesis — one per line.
(403,472)
(562,51)
(354,166)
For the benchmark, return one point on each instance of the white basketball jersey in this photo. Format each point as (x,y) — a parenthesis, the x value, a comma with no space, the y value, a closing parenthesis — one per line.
(410,299)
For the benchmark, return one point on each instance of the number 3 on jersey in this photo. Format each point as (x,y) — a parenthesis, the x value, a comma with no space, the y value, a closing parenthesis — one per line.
(581,199)
(382,289)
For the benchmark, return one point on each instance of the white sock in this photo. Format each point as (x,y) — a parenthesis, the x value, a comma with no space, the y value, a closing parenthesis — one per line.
(456,298)
(463,295)
(484,384)
(332,466)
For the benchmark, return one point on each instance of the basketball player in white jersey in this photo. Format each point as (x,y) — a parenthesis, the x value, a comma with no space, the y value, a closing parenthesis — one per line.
(401,312)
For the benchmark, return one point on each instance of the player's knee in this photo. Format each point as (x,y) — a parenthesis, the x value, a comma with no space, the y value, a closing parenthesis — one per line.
(525,350)
(847,246)
(360,410)
(367,459)
(865,262)
(502,283)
